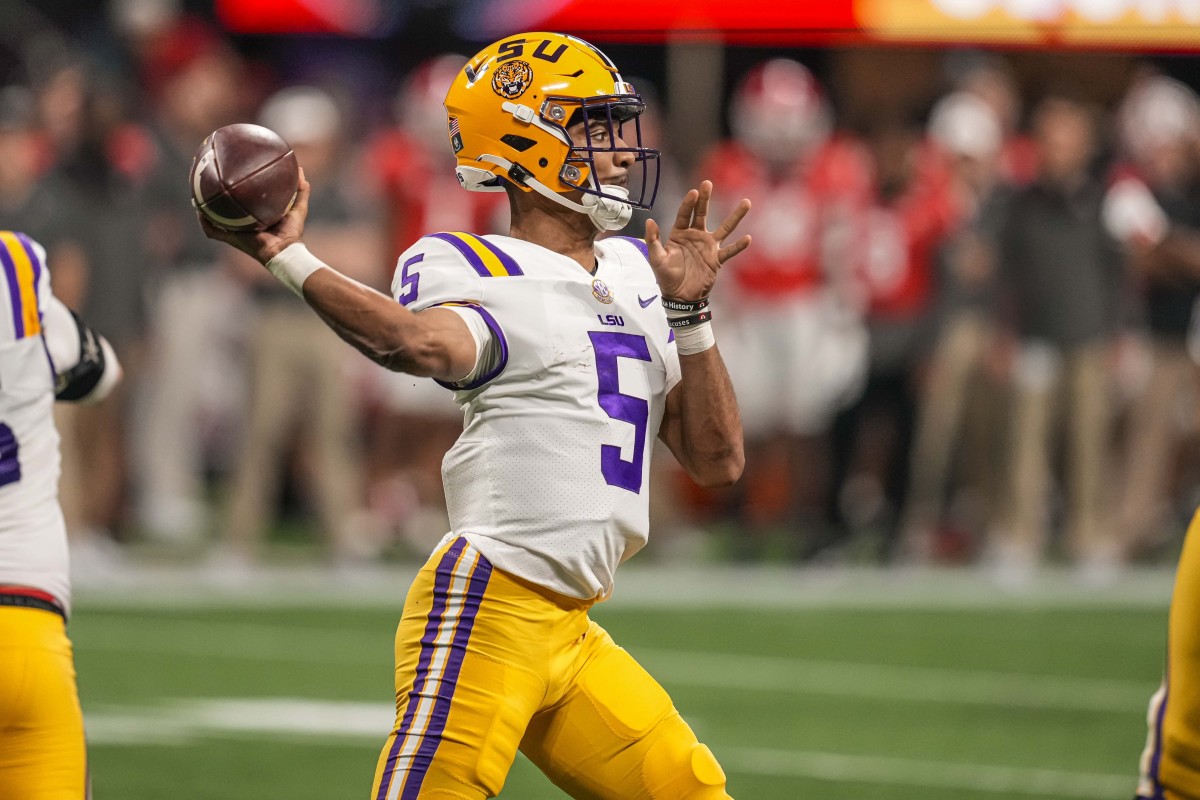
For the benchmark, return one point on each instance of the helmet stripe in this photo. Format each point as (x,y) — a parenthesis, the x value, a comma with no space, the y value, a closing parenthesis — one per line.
(599,54)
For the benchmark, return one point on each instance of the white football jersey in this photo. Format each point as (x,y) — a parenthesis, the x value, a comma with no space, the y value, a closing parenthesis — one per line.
(39,340)
(550,476)
(33,538)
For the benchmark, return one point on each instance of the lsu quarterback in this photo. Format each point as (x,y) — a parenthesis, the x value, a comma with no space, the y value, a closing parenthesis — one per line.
(568,354)
(46,353)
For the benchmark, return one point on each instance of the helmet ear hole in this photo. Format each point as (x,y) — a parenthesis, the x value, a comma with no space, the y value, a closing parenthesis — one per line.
(518,143)
(543,162)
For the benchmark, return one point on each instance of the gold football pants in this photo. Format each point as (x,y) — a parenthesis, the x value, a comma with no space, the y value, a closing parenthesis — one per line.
(42,751)
(487,663)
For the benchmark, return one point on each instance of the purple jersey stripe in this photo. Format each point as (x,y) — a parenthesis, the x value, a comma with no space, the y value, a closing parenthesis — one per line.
(505,259)
(640,244)
(499,332)
(470,255)
(14,291)
(441,590)
(441,710)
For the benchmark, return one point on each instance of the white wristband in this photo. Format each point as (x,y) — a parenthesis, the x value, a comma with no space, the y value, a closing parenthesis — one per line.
(694,339)
(293,264)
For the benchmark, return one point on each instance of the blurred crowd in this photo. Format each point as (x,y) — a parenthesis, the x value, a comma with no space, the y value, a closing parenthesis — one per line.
(963,334)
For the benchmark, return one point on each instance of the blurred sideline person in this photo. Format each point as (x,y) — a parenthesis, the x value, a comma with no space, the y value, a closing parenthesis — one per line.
(964,131)
(99,155)
(46,353)
(895,239)
(568,355)
(1061,280)
(192,304)
(299,380)
(795,341)
(1162,116)
(1153,207)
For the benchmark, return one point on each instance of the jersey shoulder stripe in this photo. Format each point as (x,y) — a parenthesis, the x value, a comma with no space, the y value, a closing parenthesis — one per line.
(484,257)
(23,271)
(640,244)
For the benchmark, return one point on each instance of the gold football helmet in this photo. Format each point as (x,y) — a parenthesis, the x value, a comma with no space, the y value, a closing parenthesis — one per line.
(508,112)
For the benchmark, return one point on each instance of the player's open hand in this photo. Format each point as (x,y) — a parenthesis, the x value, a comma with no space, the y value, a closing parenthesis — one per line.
(264,245)
(687,263)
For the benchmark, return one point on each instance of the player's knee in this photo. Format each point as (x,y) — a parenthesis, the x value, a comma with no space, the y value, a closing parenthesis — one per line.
(680,768)
(708,779)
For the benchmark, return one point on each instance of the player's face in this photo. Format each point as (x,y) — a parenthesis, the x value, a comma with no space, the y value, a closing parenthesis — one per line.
(612,168)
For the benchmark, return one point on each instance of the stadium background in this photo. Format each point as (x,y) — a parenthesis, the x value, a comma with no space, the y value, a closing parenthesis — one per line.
(242,648)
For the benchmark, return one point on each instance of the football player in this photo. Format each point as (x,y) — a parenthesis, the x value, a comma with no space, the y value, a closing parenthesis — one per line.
(46,353)
(568,354)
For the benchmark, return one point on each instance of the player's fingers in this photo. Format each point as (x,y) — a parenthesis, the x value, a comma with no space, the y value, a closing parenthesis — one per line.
(210,230)
(702,198)
(303,190)
(726,253)
(683,219)
(731,222)
(653,244)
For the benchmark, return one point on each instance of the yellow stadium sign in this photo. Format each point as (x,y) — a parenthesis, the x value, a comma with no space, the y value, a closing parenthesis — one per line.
(1136,24)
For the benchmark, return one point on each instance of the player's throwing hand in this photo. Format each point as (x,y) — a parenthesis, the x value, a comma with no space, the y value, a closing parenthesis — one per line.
(686,265)
(265,245)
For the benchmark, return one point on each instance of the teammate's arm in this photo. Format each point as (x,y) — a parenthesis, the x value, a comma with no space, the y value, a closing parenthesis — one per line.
(434,343)
(85,366)
(701,424)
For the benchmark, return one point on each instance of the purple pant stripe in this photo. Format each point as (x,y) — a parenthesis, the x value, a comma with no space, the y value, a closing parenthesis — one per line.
(470,255)
(441,710)
(1156,759)
(441,592)
(14,291)
(510,265)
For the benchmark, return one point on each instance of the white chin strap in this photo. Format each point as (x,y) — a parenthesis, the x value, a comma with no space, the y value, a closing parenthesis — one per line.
(608,213)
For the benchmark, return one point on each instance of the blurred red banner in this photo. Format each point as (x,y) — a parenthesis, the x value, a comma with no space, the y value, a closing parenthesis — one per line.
(1091,24)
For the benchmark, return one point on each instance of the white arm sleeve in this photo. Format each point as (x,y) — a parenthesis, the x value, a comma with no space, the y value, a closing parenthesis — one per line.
(62,335)
(487,347)
(64,343)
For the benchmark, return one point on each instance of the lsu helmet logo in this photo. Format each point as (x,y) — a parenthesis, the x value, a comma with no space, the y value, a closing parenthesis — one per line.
(511,79)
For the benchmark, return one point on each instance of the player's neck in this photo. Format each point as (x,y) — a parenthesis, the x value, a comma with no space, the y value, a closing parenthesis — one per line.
(553,227)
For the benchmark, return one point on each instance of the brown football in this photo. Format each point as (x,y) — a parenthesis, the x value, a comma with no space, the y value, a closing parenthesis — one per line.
(244,177)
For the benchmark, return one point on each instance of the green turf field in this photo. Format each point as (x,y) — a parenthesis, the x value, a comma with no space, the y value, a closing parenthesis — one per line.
(972,701)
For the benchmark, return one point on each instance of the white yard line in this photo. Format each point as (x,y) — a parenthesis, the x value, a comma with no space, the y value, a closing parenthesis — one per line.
(883,771)
(336,722)
(642,585)
(244,641)
(893,682)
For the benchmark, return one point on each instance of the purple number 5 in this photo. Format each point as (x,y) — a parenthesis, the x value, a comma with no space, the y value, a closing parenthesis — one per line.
(10,465)
(626,408)
(410,283)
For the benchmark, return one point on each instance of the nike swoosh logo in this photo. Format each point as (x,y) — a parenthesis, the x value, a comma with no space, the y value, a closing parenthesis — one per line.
(646,303)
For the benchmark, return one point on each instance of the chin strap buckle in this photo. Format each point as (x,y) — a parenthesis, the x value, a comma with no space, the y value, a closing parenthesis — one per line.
(520,112)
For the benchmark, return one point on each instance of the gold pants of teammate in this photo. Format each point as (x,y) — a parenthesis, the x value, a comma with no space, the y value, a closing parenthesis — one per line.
(42,751)
(487,663)
(1171,761)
